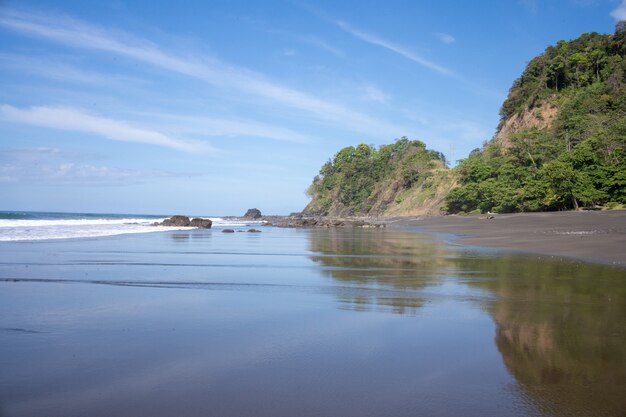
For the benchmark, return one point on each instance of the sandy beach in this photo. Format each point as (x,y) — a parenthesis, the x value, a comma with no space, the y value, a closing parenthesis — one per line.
(591,236)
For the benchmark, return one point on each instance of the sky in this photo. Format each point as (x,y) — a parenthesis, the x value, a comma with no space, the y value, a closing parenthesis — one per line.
(213,107)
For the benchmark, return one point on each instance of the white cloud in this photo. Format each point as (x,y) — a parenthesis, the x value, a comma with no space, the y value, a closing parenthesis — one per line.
(375,94)
(25,156)
(75,33)
(72,173)
(620,12)
(317,42)
(406,53)
(530,5)
(80,121)
(445,37)
(208,126)
(52,165)
(53,68)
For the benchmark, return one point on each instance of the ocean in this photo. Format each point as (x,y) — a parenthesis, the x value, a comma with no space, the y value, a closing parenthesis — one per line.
(25,226)
(298,322)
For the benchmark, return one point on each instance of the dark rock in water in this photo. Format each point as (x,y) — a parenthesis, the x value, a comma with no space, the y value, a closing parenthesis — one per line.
(183,221)
(228,231)
(253,214)
(177,221)
(253,231)
(300,220)
(201,223)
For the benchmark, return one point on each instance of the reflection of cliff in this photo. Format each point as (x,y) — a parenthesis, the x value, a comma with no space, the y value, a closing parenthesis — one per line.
(561,332)
(380,269)
(560,326)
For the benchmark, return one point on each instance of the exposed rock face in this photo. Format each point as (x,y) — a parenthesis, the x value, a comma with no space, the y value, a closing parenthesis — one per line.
(253,214)
(540,117)
(201,223)
(183,221)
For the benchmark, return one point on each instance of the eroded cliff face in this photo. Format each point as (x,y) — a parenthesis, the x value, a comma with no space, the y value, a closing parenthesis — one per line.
(538,117)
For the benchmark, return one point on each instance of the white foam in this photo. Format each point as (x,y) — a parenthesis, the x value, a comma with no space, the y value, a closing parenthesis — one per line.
(75,222)
(22,230)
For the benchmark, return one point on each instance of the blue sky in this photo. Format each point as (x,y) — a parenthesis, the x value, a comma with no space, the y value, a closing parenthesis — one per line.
(209,108)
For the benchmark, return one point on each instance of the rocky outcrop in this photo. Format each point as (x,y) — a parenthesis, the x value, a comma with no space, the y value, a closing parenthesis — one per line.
(201,223)
(184,221)
(322,221)
(176,221)
(253,214)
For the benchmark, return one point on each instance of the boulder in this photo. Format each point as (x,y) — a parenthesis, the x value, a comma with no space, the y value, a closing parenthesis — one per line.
(253,214)
(253,231)
(177,221)
(228,231)
(201,223)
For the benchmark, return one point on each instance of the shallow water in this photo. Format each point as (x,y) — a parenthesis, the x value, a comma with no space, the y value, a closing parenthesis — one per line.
(305,323)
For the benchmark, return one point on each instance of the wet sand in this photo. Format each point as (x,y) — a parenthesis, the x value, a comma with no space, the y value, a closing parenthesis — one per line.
(316,322)
(590,236)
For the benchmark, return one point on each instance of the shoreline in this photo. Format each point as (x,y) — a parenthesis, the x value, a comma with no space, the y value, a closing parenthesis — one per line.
(588,236)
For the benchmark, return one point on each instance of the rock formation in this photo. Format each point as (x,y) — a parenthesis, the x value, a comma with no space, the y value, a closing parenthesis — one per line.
(183,221)
(201,223)
(301,220)
(253,214)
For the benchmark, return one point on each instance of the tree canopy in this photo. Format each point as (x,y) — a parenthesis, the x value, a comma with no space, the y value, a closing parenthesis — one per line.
(580,158)
(356,178)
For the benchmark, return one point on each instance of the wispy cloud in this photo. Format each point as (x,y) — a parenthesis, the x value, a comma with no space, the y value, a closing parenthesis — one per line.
(530,5)
(34,155)
(55,166)
(75,33)
(81,121)
(53,68)
(620,12)
(219,127)
(375,94)
(319,43)
(445,37)
(400,50)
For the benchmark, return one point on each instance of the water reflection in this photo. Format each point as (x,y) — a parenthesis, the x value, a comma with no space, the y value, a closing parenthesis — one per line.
(561,332)
(379,270)
(559,326)
(185,236)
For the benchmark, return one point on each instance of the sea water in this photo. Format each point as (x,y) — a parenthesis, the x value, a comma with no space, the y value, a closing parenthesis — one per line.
(20,226)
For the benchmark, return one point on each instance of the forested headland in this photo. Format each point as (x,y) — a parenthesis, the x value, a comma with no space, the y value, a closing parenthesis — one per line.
(401,178)
(560,145)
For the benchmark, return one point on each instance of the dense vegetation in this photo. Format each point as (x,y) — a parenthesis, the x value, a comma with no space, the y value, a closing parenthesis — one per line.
(560,144)
(369,181)
(578,158)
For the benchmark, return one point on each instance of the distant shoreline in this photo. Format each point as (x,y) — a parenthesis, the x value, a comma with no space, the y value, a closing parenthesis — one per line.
(597,237)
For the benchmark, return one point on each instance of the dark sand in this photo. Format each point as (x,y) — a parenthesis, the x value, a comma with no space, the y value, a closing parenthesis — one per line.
(592,236)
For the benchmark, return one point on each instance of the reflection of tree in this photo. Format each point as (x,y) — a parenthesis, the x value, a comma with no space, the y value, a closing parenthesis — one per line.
(378,268)
(561,331)
(560,326)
